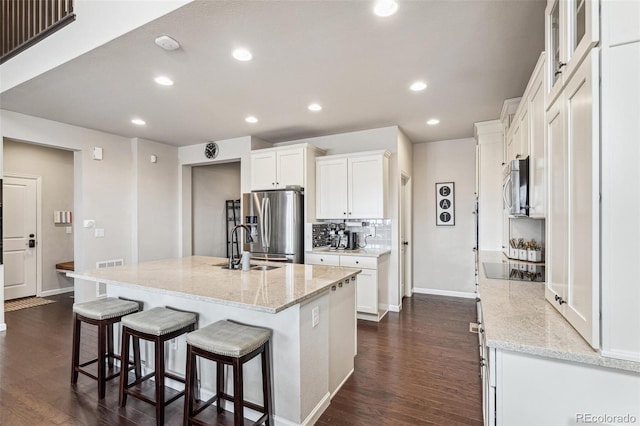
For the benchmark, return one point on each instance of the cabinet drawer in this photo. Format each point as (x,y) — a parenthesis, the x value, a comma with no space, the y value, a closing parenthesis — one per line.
(359,262)
(322,259)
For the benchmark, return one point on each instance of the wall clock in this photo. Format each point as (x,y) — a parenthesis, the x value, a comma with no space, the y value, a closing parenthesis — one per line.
(211,150)
(445,208)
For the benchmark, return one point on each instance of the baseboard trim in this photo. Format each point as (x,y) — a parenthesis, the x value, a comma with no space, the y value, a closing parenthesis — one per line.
(395,308)
(461,294)
(3,326)
(56,291)
(342,383)
(314,415)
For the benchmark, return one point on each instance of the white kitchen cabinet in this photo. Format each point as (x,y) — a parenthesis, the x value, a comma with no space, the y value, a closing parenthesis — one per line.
(353,186)
(537,145)
(523,389)
(277,168)
(573,229)
(372,300)
(571,30)
(521,141)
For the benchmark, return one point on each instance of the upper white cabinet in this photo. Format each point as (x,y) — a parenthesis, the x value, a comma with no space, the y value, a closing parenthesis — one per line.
(573,228)
(353,186)
(277,168)
(572,29)
(537,145)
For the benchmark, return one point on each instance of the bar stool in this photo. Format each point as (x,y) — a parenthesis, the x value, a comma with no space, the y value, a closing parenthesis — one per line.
(157,325)
(231,343)
(102,313)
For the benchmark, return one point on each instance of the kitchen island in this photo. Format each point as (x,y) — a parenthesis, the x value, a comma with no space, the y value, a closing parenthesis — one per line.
(311,310)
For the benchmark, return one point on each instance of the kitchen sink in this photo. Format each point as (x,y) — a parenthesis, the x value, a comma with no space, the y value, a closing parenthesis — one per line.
(252,267)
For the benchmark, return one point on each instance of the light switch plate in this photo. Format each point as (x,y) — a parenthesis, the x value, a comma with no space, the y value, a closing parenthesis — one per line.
(97,153)
(99,232)
(315,316)
(68,229)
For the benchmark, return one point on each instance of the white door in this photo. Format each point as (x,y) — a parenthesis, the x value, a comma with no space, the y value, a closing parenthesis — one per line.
(18,230)
(406,281)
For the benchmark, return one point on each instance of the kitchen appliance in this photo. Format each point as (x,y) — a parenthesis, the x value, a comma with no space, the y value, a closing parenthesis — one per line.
(515,191)
(276,220)
(352,240)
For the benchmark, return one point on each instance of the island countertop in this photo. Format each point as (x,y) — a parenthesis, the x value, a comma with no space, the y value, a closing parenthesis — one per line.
(203,278)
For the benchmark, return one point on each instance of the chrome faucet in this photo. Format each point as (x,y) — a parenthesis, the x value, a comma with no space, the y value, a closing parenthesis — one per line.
(234,231)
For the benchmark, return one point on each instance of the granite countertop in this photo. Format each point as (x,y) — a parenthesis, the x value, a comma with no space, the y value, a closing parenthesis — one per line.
(202,278)
(518,318)
(368,252)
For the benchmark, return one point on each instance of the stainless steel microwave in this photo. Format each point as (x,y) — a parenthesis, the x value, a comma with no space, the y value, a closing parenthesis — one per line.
(515,191)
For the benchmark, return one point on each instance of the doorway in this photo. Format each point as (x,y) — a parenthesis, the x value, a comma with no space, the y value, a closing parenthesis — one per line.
(37,206)
(406,247)
(212,186)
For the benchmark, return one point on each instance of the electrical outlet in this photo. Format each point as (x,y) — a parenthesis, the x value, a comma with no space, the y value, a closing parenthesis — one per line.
(372,231)
(174,344)
(315,316)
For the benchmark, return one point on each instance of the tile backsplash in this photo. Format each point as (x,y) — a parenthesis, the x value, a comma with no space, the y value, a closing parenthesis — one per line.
(372,233)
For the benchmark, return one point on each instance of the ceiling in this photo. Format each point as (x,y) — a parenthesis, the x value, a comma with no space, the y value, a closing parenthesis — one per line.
(358,66)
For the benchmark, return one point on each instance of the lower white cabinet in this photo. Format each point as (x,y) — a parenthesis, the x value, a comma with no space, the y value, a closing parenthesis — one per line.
(524,389)
(372,300)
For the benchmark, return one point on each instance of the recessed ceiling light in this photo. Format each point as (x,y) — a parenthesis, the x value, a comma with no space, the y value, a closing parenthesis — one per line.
(251,119)
(315,107)
(433,122)
(418,86)
(163,80)
(242,54)
(138,122)
(385,8)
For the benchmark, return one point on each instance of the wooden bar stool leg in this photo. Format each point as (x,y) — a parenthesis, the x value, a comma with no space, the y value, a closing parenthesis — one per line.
(159,378)
(124,372)
(136,357)
(266,383)
(219,385)
(75,356)
(189,385)
(238,394)
(110,345)
(102,366)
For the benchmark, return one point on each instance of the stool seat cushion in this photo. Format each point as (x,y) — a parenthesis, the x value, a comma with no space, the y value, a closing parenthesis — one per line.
(159,321)
(229,338)
(107,308)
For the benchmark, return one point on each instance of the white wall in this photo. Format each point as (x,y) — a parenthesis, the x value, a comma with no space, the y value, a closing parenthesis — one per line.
(103,191)
(211,186)
(55,166)
(443,255)
(155,225)
(489,136)
(97,22)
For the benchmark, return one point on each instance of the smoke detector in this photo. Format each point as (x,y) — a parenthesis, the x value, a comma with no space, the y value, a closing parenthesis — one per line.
(167,43)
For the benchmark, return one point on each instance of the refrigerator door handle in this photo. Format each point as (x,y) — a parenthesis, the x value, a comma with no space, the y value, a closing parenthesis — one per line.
(262,222)
(268,223)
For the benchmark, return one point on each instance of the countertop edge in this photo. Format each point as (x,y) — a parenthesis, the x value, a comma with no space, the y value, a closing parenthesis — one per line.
(596,359)
(258,308)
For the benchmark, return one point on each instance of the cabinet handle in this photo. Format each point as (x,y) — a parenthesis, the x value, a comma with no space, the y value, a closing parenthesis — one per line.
(333,288)
(321,260)
(353,278)
(350,213)
(277,183)
(344,213)
(561,64)
(340,284)
(502,164)
(273,184)
(357,262)
(518,156)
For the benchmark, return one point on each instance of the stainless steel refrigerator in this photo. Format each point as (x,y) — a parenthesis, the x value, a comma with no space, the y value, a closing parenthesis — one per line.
(276,220)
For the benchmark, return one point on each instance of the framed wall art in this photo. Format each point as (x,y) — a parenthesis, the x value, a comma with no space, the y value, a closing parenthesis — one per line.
(445,204)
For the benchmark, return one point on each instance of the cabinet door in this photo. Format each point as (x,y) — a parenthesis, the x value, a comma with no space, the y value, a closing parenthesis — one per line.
(290,167)
(557,225)
(263,170)
(512,141)
(367,291)
(322,259)
(582,32)
(537,180)
(523,146)
(331,188)
(366,187)
(342,333)
(554,46)
(582,102)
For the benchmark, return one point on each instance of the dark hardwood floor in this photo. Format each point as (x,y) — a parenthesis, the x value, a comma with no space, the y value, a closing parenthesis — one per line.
(418,367)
